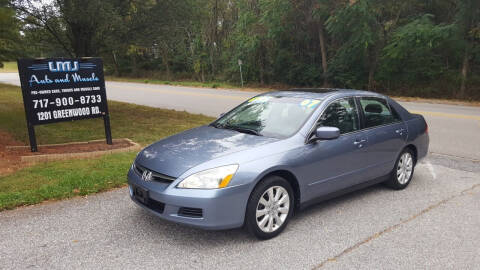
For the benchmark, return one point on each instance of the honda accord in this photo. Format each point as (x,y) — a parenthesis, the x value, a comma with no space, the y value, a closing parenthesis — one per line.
(275,154)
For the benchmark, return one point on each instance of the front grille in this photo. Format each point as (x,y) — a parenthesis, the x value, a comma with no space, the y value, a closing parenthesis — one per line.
(190,212)
(158,177)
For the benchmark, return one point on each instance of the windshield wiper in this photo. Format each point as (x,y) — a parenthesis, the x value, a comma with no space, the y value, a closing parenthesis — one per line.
(215,125)
(243,130)
(236,128)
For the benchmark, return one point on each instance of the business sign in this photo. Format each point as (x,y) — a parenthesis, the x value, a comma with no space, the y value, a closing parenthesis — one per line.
(58,89)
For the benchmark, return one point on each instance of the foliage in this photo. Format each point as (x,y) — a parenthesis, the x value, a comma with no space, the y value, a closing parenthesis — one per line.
(383,45)
(416,51)
(9,33)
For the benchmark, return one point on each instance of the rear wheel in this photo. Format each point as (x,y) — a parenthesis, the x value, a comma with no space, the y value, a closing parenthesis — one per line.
(269,208)
(403,171)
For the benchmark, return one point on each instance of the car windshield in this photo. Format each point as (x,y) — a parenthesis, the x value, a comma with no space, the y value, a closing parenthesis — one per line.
(270,116)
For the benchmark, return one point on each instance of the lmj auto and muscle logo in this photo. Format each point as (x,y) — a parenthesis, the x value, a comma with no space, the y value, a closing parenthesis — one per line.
(64,67)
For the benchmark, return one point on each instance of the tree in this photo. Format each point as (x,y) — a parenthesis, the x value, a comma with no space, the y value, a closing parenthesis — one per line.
(363,28)
(79,26)
(468,22)
(321,12)
(10,40)
(416,51)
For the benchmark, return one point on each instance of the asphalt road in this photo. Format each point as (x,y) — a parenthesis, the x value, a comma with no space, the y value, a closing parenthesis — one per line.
(432,224)
(454,130)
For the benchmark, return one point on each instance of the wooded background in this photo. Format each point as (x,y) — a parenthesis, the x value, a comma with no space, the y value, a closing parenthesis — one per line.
(425,48)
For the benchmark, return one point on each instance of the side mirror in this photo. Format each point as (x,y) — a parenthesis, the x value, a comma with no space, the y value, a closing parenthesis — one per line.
(327,133)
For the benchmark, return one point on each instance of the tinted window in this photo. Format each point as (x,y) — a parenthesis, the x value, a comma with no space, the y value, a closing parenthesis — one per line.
(270,116)
(342,114)
(377,112)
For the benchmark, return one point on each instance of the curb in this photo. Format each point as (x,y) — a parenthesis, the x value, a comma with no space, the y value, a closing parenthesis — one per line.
(52,157)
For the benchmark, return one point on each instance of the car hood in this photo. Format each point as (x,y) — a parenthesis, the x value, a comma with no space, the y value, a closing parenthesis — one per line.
(176,154)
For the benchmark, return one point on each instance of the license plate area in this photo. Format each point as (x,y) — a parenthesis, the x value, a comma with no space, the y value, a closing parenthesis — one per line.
(140,194)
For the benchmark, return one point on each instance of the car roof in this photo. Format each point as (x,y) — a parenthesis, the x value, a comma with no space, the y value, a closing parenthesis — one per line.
(320,93)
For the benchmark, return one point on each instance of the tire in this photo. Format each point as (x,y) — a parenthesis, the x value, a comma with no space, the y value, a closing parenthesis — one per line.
(405,164)
(266,226)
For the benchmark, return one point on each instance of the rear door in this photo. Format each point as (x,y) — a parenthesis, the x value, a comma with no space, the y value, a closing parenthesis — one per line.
(386,134)
(332,165)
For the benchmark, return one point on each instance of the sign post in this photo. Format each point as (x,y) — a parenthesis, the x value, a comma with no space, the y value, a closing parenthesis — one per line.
(31,136)
(240,65)
(58,89)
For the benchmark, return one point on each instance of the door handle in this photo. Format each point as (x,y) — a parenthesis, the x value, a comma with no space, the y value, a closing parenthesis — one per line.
(399,131)
(360,141)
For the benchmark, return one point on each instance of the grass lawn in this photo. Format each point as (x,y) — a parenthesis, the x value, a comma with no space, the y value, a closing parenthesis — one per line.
(181,83)
(9,67)
(192,84)
(64,179)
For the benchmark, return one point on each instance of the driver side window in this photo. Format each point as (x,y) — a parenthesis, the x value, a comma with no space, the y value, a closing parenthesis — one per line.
(341,114)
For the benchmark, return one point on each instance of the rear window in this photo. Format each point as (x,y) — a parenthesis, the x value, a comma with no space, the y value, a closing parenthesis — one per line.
(377,112)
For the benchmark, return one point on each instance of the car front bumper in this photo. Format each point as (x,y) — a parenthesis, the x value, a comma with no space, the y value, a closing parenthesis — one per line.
(213,209)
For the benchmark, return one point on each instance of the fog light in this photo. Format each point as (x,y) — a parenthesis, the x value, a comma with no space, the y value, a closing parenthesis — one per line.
(130,190)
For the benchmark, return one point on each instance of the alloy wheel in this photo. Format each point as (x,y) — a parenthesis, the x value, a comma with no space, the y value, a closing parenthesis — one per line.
(272,209)
(404,168)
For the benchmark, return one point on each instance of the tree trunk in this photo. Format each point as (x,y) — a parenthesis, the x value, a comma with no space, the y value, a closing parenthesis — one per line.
(165,58)
(262,80)
(261,62)
(464,73)
(214,39)
(372,65)
(134,64)
(115,64)
(323,50)
(470,19)
(166,64)
(212,61)
(371,73)
(82,40)
(374,55)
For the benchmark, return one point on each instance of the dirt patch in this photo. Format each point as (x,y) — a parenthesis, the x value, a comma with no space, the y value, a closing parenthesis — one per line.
(8,162)
(14,155)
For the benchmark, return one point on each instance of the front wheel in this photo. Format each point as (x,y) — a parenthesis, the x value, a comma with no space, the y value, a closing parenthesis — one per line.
(403,171)
(269,208)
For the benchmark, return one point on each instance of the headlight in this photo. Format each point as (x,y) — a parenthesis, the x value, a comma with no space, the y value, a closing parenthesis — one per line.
(209,179)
